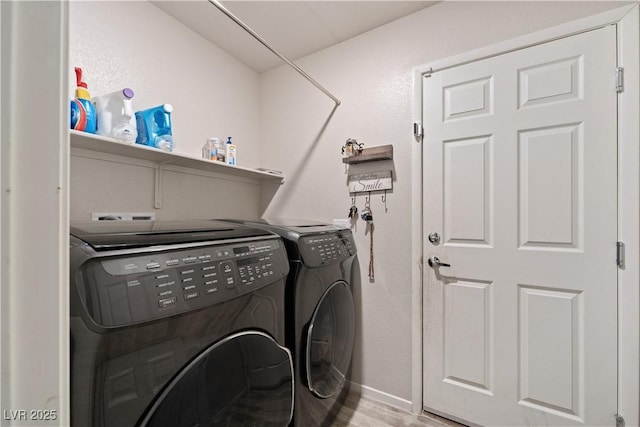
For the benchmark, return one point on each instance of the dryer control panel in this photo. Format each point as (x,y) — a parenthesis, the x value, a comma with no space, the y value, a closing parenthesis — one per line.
(124,290)
(327,248)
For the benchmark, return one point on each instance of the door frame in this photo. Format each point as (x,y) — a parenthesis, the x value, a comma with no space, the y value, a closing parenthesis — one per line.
(627,19)
(34,210)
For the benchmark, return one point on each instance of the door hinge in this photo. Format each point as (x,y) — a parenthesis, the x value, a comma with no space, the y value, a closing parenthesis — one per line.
(427,73)
(620,254)
(619,79)
(417,131)
(619,421)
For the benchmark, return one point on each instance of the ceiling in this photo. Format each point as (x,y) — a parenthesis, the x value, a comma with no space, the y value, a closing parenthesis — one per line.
(295,28)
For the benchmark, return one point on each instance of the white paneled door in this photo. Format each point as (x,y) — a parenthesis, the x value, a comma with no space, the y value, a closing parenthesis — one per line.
(520,183)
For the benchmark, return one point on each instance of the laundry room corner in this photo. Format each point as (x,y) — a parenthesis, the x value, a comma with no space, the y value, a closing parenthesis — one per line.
(301,135)
(163,61)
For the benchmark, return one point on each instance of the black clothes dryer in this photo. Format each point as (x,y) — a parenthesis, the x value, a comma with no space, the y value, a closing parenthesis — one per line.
(168,331)
(320,314)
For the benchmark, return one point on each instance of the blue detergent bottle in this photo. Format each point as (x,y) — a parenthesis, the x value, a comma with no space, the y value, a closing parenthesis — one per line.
(154,127)
(83,112)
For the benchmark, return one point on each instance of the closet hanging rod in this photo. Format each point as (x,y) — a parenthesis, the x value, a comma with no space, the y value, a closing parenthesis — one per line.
(256,36)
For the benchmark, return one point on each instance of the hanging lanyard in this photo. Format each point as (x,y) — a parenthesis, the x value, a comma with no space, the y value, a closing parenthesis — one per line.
(371,272)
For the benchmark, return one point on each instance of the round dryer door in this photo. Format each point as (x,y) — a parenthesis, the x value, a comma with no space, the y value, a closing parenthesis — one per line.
(330,339)
(245,379)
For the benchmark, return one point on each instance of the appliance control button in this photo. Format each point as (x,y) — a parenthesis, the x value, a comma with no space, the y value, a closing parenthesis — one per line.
(173,261)
(190,296)
(187,271)
(188,288)
(166,302)
(211,290)
(165,284)
(152,265)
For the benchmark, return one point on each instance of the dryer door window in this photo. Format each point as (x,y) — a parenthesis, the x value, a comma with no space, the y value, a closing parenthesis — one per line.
(330,339)
(244,379)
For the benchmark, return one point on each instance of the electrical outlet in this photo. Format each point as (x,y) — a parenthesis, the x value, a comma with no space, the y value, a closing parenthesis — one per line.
(341,223)
(123,216)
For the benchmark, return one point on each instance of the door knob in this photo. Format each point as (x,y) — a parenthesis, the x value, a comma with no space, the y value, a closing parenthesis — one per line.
(434,238)
(435,262)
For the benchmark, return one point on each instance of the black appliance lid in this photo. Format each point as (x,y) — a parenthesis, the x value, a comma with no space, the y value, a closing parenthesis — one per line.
(110,235)
(299,226)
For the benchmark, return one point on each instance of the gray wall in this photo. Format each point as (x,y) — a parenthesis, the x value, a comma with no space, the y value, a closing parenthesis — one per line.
(372,75)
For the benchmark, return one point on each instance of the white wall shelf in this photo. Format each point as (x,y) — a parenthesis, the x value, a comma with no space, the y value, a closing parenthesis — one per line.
(103,144)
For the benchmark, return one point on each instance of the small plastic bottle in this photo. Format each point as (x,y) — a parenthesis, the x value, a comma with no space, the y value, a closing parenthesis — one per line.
(231,152)
(217,143)
(222,152)
(210,149)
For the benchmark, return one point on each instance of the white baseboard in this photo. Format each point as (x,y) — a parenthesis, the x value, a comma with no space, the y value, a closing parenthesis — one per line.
(381,396)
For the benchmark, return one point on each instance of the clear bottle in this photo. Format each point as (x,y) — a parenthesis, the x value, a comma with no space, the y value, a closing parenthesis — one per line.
(210,149)
(222,152)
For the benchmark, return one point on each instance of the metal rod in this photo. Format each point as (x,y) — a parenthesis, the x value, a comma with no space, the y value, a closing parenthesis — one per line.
(255,35)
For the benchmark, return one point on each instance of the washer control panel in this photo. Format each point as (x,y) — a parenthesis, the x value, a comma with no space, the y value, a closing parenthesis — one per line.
(327,248)
(137,288)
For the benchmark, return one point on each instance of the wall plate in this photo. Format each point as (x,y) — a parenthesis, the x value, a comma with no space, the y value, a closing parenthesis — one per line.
(123,216)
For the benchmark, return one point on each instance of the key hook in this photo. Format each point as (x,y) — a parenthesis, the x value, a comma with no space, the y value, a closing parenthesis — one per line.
(353,200)
(367,200)
(384,200)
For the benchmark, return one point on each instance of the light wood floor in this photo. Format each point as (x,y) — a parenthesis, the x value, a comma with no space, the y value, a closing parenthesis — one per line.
(360,411)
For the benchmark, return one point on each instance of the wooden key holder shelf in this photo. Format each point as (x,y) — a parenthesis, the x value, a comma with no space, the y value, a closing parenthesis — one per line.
(383,152)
